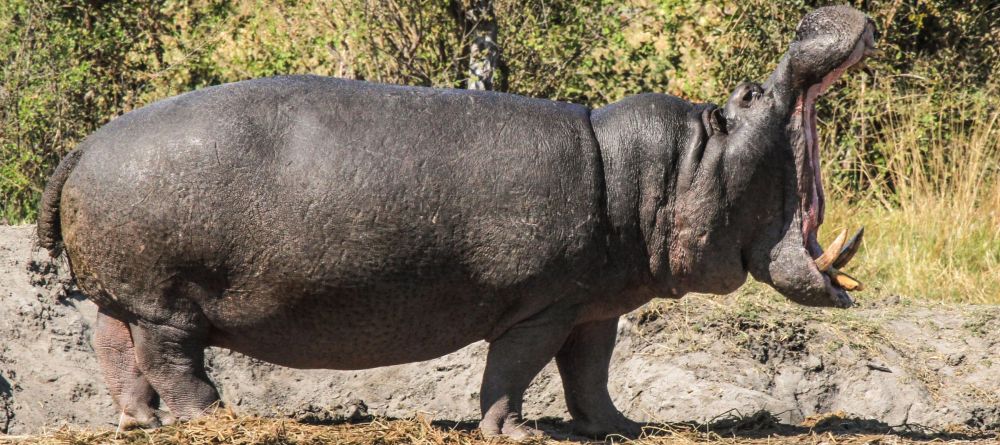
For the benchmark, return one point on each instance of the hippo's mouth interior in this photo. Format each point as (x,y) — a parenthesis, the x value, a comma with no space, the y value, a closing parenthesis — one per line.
(810,185)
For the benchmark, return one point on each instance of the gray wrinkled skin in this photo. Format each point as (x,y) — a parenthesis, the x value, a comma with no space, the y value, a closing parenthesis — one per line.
(326,223)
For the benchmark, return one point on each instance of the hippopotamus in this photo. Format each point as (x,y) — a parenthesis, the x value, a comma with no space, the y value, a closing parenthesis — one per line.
(315,222)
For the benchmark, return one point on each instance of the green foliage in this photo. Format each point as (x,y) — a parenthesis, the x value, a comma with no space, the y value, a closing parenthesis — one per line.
(929,103)
(67,68)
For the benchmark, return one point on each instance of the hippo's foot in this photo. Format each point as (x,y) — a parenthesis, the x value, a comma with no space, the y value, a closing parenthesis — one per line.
(129,422)
(618,425)
(166,419)
(150,419)
(512,426)
(513,360)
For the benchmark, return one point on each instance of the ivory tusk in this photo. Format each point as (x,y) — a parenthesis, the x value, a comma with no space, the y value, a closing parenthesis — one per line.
(832,252)
(845,281)
(849,250)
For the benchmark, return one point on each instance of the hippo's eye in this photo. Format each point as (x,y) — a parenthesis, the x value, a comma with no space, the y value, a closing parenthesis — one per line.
(753,93)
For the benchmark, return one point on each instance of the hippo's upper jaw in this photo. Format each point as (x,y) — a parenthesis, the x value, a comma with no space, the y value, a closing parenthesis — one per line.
(828,42)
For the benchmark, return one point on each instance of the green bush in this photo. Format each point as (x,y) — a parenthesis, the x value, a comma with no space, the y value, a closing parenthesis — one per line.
(911,146)
(67,68)
(70,66)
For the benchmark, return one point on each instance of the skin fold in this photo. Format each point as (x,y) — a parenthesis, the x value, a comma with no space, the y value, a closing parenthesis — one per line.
(315,222)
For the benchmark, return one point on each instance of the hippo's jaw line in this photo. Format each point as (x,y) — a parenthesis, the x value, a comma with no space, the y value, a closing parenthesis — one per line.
(811,196)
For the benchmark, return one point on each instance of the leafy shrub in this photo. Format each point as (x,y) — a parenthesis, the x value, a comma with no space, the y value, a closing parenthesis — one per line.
(891,136)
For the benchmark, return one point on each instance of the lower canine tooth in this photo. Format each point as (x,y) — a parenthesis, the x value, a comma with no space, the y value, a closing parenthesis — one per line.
(845,281)
(832,252)
(849,250)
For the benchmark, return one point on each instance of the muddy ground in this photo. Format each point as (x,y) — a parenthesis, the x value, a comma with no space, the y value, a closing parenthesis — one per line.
(892,363)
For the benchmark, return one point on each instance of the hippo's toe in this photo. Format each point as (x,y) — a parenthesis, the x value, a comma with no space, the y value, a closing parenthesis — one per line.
(617,426)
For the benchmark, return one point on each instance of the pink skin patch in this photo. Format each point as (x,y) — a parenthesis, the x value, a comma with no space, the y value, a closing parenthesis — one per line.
(812,213)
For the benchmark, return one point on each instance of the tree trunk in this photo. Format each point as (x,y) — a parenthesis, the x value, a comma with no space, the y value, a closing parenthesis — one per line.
(480,24)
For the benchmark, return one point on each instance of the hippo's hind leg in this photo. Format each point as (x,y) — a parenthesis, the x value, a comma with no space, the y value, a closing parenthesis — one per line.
(583,365)
(132,393)
(173,360)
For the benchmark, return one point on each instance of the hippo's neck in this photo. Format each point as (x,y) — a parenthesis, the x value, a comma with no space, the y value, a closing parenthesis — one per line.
(641,140)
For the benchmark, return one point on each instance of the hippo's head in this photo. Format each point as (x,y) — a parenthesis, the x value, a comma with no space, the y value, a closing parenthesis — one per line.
(785,253)
(772,164)
(745,194)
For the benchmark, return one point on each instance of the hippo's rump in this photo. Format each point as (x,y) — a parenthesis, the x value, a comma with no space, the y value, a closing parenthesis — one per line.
(276,197)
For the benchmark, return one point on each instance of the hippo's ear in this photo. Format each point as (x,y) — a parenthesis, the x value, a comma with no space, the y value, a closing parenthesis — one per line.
(717,121)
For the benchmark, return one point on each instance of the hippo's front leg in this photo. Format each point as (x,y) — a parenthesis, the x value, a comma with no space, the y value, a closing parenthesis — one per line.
(583,364)
(515,357)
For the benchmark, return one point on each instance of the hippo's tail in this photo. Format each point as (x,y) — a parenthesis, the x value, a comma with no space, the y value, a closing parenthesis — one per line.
(49,229)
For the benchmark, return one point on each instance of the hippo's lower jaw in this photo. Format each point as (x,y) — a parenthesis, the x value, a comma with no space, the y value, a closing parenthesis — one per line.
(827,263)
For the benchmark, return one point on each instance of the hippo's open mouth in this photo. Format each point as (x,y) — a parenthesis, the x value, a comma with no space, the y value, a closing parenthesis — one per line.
(810,185)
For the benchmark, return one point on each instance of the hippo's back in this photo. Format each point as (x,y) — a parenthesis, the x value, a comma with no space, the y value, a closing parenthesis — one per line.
(331,206)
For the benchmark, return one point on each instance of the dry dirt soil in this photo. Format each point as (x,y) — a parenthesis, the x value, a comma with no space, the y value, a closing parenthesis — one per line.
(737,364)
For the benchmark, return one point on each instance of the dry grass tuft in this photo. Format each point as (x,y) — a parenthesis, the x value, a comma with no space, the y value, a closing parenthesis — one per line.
(227,428)
(932,210)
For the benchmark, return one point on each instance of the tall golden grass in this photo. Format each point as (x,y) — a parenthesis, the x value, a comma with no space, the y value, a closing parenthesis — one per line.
(932,205)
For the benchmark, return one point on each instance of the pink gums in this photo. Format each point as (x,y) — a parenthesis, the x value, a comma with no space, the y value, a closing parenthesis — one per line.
(806,107)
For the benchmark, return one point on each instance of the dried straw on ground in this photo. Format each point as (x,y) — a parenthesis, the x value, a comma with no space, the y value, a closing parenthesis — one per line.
(227,428)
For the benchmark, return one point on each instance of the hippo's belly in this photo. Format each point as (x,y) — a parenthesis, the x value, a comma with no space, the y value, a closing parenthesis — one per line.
(354,328)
